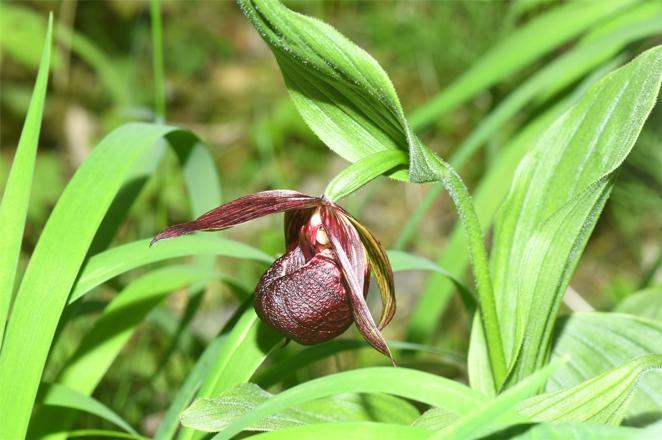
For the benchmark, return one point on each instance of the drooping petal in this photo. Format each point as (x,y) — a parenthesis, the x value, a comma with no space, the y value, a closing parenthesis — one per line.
(381,268)
(242,210)
(347,246)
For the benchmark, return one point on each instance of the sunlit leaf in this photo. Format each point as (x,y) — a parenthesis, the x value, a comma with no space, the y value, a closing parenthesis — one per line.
(213,415)
(597,342)
(602,399)
(15,199)
(557,196)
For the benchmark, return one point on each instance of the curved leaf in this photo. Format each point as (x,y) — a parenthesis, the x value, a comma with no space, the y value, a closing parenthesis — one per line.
(213,415)
(56,261)
(60,395)
(603,399)
(108,264)
(411,384)
(596,342)
(555,200)
(15,199)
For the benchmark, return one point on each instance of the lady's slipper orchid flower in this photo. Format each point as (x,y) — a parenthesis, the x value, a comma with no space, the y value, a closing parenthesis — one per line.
(317,289)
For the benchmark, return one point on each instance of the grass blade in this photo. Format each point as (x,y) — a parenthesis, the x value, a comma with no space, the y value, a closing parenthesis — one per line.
(15,199)
(60,395)
(55,263)
(120,259)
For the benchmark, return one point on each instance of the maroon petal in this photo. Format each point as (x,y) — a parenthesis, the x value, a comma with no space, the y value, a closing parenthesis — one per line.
(242,210)
(346,243)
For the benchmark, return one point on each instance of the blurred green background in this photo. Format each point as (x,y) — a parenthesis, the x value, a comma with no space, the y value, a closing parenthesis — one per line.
(223,83)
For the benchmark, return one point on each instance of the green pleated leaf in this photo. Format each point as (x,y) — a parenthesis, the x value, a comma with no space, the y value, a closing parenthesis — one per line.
(341,92)
(15,199)
(213,415)
(556,198)
(487,197)
(402,382)
(603,399)
(108,264)
(597,342)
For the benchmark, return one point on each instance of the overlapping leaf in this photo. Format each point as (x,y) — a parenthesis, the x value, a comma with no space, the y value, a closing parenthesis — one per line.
(213,415)
(597,342)
(603,399)
(557,195)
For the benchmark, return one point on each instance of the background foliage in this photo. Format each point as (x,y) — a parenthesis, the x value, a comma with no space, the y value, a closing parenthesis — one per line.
(127,338)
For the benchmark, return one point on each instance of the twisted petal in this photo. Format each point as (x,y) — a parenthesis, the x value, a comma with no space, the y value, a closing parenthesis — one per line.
(347,245)
(242,210)
(381,268)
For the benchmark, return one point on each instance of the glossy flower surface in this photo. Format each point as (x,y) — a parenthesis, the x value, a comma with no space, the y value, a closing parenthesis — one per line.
(317,289)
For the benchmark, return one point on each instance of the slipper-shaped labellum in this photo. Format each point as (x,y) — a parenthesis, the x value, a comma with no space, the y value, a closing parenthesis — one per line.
(317,289)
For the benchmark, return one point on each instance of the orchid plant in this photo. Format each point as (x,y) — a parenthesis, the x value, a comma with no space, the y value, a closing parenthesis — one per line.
(529,372)
(317,289)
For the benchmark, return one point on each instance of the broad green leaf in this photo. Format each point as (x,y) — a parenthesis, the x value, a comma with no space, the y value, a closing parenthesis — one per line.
(597,342)
(556,198)
(646,303)
(15,199)
(603,399)
(213,415)
(247,345)
(488,196)
(59,395)
(106,265)
(402,382)
(339,89)
(522,47)
(348,431)
(57,259)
